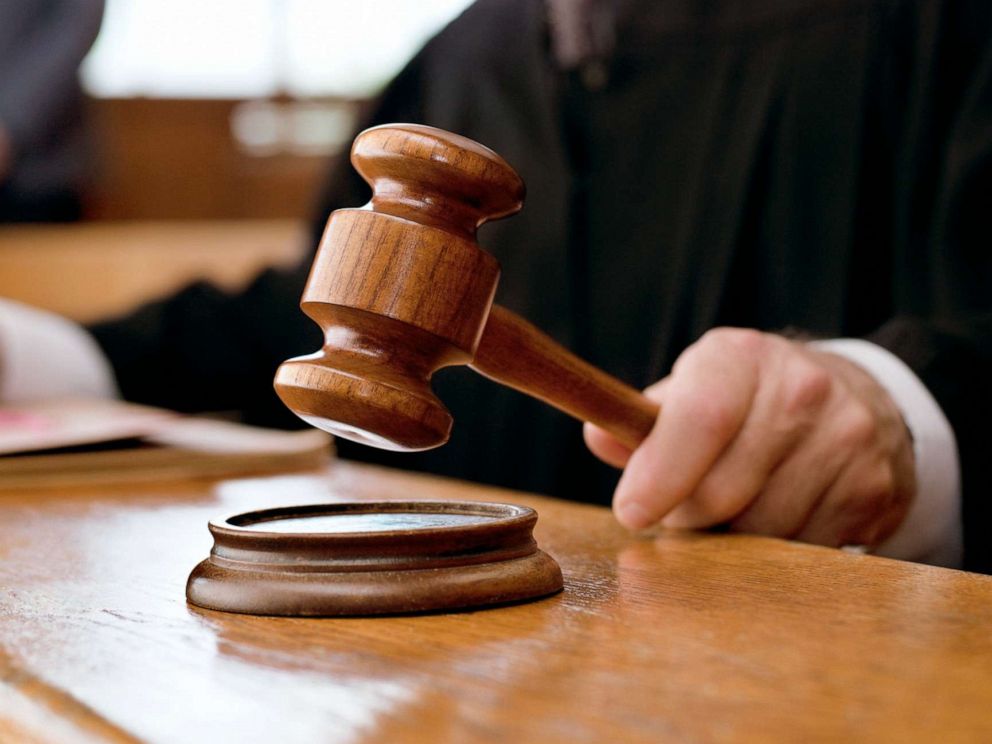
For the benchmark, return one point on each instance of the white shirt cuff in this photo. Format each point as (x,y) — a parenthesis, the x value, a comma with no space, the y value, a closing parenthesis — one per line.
(932,530)
(43,355)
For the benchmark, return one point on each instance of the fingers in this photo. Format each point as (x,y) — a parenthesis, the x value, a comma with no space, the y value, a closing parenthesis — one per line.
(864,505)
(872,494)
(797,486)
(605,446)
(706,402)
(771,437)
(782,415)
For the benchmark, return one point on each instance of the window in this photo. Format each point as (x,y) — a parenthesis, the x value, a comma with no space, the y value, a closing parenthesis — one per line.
(258,48)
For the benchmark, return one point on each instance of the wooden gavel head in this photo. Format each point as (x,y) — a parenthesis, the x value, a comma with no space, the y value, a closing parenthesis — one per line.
(400,287)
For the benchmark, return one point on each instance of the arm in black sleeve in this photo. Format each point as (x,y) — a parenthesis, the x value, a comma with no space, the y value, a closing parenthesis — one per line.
(949,344)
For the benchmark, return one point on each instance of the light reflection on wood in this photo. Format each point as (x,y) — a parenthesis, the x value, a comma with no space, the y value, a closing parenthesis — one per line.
(671,637)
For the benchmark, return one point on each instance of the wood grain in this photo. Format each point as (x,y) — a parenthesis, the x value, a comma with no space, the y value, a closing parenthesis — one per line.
(666,637)
(407,556)
(401,289)
(515,353)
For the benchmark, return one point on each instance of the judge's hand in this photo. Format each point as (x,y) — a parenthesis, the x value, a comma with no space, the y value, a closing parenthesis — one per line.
(769,436)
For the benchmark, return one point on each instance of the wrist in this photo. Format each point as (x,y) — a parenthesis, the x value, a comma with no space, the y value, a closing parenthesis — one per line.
(931,532)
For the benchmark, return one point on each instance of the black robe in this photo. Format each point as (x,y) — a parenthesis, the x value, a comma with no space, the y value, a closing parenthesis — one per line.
(815,165)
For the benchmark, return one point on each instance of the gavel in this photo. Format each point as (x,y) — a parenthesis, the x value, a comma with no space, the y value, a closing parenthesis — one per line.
(401,289)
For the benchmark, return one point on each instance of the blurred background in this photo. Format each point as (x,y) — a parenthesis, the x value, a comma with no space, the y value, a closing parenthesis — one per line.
(230,108)
(207,131)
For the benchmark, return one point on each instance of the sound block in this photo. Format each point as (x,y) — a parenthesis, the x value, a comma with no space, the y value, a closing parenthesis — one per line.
(373,558)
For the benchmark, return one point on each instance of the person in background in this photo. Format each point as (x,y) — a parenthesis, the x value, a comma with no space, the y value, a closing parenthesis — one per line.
(42,138)
(711,185)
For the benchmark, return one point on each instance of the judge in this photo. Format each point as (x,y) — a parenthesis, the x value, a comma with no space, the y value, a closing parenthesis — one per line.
(771,215)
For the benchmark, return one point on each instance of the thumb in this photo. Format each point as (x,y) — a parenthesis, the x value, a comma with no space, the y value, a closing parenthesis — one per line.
(605,446)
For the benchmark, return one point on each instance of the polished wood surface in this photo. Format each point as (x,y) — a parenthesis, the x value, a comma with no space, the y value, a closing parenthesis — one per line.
(90,271)
(665,638)
(401,289)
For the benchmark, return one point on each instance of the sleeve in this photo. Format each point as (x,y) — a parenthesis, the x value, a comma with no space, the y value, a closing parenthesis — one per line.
(40,75)
(954,365)
(34,346)
(948,343)
(931,531)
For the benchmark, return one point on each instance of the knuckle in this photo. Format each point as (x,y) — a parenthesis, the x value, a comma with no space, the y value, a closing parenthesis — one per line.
(807,387)
(742,340)
(857,428)
(716,500)
(879,488)
(713,414)
(874,494)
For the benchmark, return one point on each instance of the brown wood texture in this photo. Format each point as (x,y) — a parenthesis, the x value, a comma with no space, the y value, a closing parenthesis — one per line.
(437,555)
(91,271)
(515,353)
(165,159)
(671,637)
(401,289)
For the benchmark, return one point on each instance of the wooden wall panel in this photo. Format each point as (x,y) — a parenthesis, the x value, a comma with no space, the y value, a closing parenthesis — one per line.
(177,159)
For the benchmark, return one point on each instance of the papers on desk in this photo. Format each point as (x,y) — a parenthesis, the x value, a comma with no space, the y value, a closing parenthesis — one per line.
(62,442)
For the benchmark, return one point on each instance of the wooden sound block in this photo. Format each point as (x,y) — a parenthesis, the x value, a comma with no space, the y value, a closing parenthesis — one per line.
(373,558)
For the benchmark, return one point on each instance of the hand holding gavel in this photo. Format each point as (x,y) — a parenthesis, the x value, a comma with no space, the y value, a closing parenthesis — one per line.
(759,431)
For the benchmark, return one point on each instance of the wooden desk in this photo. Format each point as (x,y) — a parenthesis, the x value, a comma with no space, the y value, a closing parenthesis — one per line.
(678,638)
(91,271)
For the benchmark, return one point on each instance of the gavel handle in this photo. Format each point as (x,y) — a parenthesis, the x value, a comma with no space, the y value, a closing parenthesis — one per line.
(515,353)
